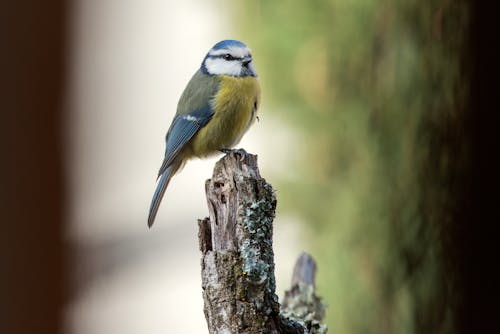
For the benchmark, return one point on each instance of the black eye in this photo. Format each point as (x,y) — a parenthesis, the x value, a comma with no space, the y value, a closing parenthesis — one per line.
(227,56)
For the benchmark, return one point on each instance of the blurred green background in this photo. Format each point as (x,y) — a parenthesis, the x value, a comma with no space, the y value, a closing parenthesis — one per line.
(376,92)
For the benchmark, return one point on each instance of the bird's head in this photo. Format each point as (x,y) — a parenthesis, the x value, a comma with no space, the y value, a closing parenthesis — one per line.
(229,57)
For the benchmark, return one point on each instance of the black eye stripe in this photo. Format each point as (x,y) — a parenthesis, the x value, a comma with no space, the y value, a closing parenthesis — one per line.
(225,56)
(228,57)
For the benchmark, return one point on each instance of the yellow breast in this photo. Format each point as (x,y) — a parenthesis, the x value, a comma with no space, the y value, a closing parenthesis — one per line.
(235,105)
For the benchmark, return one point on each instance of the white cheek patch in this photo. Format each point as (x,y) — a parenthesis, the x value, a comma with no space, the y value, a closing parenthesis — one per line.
(219,66)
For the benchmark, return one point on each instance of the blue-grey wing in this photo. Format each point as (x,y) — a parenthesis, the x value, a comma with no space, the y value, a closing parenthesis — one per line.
(183,128)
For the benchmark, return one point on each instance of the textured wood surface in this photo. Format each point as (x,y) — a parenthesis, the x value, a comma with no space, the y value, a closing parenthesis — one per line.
(237,256)
(301,304)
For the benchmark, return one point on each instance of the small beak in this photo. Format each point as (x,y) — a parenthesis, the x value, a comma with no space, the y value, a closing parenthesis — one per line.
(245,61)
(248,68)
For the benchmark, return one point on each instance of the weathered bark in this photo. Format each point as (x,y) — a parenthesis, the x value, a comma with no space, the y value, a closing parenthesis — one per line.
(237,266)
(301,303)
(238,262)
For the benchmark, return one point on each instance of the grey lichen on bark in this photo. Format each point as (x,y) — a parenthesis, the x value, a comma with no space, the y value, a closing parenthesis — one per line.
(238,279)
(301,304)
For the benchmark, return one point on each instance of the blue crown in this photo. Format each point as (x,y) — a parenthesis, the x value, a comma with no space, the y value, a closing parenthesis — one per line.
(227,44)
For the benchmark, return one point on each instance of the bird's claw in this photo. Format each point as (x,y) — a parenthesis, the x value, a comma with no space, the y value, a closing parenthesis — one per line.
(239,151)
(225,150)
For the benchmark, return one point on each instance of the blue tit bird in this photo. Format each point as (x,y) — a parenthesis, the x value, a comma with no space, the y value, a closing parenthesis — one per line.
(217,107)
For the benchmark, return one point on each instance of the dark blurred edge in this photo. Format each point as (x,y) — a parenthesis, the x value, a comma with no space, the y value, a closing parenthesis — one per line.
(32,195)
(479,201)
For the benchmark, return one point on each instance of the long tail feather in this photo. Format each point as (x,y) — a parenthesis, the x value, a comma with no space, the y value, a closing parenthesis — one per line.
(161,186)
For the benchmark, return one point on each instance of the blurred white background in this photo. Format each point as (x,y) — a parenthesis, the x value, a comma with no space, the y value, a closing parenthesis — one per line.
(130,62)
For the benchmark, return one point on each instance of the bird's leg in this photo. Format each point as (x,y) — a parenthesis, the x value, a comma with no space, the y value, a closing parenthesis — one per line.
(225,150)
(241,152)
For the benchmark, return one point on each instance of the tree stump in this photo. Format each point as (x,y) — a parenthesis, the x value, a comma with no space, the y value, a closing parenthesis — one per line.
(238,279)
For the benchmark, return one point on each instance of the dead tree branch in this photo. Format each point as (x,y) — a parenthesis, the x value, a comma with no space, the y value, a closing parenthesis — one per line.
(238,262)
